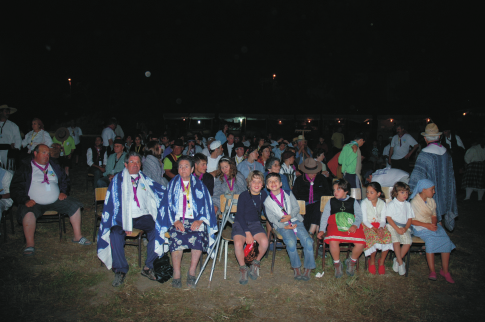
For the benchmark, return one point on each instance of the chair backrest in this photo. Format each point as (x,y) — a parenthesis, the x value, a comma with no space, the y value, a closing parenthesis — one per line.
(356,193)
(364,192)
(223,203)
(388,200)
(100,194)
(387,192)
(301,203)
(324,201)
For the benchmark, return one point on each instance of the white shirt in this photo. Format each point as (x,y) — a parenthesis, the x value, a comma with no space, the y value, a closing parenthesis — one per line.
(205,152)
(119,131)
(43,193)
(399,211)
(459,142)
(373,217)
(229,148)
(239,159)
(107,134)
(76,134)
(89,156)
(434,149)
(386,149)
(41,137)
(10,133)
(141,194)
(475,154)
(212,163)
(401,146)
(7,178)
(389,176)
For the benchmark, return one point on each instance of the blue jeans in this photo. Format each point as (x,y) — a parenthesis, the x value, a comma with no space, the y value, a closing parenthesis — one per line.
(306,241)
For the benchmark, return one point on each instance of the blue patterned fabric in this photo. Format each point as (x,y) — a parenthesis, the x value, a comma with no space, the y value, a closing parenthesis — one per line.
(438,169)
(188,239)
(435,241)
(202,207)
(112,214)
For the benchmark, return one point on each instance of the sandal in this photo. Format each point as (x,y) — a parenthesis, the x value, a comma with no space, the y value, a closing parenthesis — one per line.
(177,283)
(29,251)
(254,269)
(83,241)
(148,273)
(191,281)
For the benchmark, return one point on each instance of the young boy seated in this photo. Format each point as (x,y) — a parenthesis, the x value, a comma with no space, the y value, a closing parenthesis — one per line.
(283,211)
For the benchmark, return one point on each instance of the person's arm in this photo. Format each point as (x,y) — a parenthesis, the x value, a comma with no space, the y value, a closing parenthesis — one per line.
(167,166)
(242,209)
(365,221)
(17,139)
(358,217)
(7,179)
(26,140)
(295,207)
(459,142)
(272,217)
(382,220)
(47,139)
(415,147)
(324,220)
(433,226)
(216,196)
(89,157)
(391,151)
(110,165)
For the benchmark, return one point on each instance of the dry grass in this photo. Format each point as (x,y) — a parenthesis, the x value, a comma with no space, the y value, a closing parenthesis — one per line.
(64,282)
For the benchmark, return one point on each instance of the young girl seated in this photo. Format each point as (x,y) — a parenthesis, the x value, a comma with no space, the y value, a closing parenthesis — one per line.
(247,225)
(425,225)
(283,211)
(374,222)
(399,216)
(343,216)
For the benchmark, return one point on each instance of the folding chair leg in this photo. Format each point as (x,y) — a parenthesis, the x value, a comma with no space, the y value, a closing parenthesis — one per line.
(225,246)
(274,252)
(220,254)
(323,256)
(139,250)
(95,225)
(60,227)
(408,259)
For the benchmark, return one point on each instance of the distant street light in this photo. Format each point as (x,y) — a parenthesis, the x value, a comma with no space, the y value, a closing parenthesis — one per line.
(70,92)
(274,76)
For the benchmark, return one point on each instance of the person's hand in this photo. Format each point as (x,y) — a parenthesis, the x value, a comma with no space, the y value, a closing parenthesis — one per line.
(62,196)
(249,239)
(325,173)
(354,148)
(291,226)
(216,209)
(110,177)
(362,157)
(352,229)
(375,229)
(69,156)
(432,227)
(380,232)
(400,231)
(407,156)
(179,226)
(195,225)
(30,203)
(389,161)
(285,218)
(103,170)
(320,235)
(12,145)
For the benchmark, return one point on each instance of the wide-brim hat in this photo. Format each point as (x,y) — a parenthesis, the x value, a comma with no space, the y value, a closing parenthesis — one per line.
(12,109)
(311,166)
(300,138)
(431,130)
(239,145)
(62,134)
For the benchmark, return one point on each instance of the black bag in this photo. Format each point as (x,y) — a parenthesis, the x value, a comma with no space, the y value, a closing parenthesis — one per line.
(163,269)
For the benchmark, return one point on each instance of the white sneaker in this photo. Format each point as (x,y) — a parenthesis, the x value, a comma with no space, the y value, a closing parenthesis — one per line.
(402,269)
(395,265)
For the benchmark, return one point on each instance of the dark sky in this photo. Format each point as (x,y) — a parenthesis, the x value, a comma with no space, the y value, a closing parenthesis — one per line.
(216,56)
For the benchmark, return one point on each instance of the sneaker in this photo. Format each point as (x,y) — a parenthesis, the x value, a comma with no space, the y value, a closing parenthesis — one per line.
(191,281)
(432,276)
(297,274)
(244,274)
(350,264)
(119,279)
(177,283)
(402,269)
(338,269)
(447,276)
(254,269)
(306,275)
(395,265)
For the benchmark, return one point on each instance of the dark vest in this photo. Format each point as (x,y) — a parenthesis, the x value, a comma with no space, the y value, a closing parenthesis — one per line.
(94,155)
(338,206)
(175,168)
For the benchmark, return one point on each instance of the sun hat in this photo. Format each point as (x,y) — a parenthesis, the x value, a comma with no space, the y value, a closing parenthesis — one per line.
(12,109)
(431,130)
(62,134)
(311,166)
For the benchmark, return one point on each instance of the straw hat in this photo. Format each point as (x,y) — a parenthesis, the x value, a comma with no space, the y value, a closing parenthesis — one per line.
(311,166)
(431,130)
(12,109)
(62,134)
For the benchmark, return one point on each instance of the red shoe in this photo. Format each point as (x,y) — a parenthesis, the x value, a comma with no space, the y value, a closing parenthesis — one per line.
(447,276)
(372,268)
(382,269)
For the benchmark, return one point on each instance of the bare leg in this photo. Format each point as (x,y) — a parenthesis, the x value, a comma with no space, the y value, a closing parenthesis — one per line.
(263,244)
(29,223)
(76,224)
(404,249)
(383,257)
(445,262)
(239,242)
(430,260)
(194,261)
(397,251)
(176,262)
(335,250)
(313,229)
(373,258)
(357,251)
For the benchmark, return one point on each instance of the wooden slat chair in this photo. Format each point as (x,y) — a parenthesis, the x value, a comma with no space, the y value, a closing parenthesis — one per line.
(136,234)
(54,216)
(387,192)
(278,238)
(226,232)
(8,214)
(223,208)
(416,246)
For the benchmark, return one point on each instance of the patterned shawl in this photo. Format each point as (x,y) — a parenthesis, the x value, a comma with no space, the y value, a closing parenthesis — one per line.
(438,169)
(113,213)
(203,208)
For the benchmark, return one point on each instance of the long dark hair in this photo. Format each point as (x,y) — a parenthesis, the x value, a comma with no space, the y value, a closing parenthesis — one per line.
(377,187)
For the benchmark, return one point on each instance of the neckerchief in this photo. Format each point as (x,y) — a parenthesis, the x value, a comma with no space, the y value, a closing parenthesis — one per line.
(281,204)
(134,182)
(400,136)
(310,196)
(230,186)
(200,177)
(434,143)
(44,171)
(186,198)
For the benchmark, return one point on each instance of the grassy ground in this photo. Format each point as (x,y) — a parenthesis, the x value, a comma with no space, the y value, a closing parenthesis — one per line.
(65,282)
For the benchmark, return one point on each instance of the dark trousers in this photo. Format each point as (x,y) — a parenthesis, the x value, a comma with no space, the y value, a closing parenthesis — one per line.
(402,164)
(97,175)
(117,238)
(353,180)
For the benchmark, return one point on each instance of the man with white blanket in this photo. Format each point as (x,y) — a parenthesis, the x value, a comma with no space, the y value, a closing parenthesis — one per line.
(133,200)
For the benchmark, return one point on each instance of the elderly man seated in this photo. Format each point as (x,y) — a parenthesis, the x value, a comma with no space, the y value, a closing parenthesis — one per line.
(133,201)
(39,186)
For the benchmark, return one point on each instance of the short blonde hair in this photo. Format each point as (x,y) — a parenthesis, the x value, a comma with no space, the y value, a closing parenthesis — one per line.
(255,174)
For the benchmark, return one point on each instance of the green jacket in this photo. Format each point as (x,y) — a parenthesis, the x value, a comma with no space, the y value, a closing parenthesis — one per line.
(114,166)
(348,158)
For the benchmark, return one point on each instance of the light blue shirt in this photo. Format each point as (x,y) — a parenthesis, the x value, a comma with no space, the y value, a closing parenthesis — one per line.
(245,167)
(220,136)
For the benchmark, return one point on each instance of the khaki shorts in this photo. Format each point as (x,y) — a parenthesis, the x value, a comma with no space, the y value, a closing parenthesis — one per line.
(397,238)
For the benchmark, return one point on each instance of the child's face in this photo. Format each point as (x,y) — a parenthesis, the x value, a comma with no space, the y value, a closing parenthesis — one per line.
(402,195)
(274,184)
(372,194)
(256,185)
(428,193)
(338,192)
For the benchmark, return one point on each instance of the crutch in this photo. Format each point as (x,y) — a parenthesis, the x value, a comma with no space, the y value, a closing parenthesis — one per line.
(215,246)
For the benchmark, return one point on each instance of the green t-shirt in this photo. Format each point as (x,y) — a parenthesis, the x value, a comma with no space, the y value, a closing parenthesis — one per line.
(167,164)
(67,145)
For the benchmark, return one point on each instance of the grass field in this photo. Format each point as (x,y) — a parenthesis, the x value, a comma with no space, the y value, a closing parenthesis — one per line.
(65,282)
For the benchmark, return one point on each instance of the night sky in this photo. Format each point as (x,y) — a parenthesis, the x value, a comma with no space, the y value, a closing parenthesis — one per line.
(371,57)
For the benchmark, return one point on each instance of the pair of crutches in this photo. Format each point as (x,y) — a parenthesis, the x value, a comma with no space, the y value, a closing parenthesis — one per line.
(215,247)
